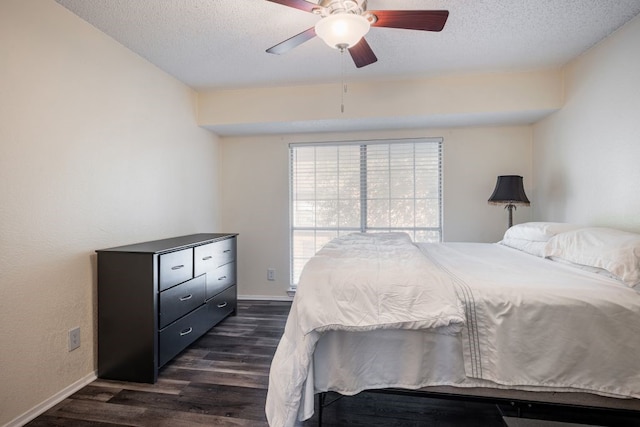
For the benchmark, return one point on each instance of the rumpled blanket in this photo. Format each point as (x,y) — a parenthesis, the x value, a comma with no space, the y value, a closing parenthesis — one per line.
(357,282)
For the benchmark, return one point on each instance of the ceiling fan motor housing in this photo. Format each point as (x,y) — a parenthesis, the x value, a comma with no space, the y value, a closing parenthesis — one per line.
(329,7)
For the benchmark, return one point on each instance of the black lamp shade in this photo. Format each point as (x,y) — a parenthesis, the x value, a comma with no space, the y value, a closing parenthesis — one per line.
(509,190)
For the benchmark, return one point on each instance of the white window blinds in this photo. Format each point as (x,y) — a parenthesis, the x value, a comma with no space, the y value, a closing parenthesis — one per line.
(366,186)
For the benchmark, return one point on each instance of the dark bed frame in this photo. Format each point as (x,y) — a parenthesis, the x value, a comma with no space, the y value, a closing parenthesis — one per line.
(520,402)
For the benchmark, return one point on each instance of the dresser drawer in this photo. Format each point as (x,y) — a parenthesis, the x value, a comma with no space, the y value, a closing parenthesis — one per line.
(179,300)
(175,337)
(212,255)
(221,305)
(220,279)
(175,267)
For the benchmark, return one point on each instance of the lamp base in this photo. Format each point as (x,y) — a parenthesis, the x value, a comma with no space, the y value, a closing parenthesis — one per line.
(510,207)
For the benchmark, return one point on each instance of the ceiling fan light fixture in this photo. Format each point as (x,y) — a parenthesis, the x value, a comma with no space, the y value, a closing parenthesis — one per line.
(342,30)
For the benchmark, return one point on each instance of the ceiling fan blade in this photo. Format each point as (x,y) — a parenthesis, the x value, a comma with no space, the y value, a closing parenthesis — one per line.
(425,20)
(297,4)
(362,54)
(290,43)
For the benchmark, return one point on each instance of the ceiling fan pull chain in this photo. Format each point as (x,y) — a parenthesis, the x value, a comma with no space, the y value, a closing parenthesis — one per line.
(343,93)
(343,85)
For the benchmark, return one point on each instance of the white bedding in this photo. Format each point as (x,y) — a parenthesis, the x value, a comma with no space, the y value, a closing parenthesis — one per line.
(535,322)
(530,324)
(357,282)
(375,281)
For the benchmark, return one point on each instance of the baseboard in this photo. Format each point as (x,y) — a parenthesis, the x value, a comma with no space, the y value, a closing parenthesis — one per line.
(264,298)
(52,401)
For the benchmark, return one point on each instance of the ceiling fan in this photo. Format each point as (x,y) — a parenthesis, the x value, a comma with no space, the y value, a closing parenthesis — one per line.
(345,22)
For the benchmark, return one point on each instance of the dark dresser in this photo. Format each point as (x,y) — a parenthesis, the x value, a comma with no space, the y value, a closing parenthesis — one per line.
(155,298)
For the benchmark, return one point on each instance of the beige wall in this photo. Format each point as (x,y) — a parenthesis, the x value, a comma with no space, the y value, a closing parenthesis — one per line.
(494,96)
(97,148)
(587,155)
(255,198)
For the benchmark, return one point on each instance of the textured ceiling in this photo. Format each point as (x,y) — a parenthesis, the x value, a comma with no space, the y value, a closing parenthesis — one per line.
(218,44)
(211,44)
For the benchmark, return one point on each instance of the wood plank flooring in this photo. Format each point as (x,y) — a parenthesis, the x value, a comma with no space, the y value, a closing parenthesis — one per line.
(221,380)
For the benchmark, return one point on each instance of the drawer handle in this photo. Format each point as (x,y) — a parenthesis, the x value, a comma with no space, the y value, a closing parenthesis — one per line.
(186,297)
(222,278)
(207,258)
(225,251)
(186,332)
(177,267)
(223,305)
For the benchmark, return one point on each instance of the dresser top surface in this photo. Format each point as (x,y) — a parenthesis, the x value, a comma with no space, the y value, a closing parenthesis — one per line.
(171,244)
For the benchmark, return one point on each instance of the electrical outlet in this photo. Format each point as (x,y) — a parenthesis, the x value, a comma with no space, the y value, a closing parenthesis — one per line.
(74,338)
(271,274)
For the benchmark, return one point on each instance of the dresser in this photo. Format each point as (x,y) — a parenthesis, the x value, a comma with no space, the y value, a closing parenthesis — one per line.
(156,298)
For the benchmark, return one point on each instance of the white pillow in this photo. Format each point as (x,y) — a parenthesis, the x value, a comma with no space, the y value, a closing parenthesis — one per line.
(528,246)
(538,231)
(616,251)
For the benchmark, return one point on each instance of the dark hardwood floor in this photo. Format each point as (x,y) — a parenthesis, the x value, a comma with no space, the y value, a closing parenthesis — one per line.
(221,380)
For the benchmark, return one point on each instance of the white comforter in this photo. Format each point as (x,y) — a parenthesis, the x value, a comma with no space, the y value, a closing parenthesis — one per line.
(536,323)
(528,323)
(357,282)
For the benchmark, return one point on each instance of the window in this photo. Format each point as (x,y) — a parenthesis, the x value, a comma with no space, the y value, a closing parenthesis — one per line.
(365,186)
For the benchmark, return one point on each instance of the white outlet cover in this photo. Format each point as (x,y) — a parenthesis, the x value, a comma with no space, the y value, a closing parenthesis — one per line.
(74,338)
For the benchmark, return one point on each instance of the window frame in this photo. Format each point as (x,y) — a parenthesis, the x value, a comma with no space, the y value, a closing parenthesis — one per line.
(363,191)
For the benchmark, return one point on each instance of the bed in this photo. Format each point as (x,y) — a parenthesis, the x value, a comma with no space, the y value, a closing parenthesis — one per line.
(551,308)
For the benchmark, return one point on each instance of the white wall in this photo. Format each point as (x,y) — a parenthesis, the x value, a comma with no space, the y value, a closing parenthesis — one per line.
(587,155)
(255,198)
(97,148)
(432,99)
